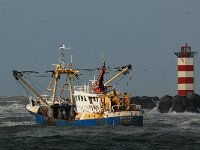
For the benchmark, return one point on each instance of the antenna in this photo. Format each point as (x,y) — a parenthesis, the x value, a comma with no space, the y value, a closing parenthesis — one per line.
(62,48)
(71,59)
(102,57)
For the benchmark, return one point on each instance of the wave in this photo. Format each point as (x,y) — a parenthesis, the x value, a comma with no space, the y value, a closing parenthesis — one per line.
(172,120)
(156,111)
(13,110)
(21,123)
(14,114)
(12,107)
(151,111)
(13,99)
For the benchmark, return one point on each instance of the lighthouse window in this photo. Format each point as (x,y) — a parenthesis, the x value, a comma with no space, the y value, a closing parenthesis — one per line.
(85,99)
(185,50)
(181,49)
(81,98)
(189,49)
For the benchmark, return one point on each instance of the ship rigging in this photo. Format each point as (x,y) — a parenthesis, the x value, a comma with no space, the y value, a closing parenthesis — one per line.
(95,103)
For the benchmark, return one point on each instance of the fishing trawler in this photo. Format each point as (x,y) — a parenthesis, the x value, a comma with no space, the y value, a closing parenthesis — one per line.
(93,104)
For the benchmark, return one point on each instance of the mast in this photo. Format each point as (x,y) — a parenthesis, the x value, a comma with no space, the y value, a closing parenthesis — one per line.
(60,69)
(56,75)
(99,86)
(70,74)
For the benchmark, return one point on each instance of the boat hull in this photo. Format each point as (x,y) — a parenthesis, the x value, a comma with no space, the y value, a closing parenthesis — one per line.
(110,121)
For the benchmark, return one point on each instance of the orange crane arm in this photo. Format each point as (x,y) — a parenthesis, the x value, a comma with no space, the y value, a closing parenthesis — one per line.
(117,75)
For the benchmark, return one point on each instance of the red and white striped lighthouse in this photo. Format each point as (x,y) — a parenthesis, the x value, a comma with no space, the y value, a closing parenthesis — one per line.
(185,70)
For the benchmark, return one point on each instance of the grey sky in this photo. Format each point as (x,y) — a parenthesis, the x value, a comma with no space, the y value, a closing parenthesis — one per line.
(144,33)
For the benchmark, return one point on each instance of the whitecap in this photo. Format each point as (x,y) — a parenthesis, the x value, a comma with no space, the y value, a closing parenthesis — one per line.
(151,111)
(21,123)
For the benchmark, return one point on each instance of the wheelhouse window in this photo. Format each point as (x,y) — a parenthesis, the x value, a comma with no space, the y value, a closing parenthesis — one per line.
(90,99)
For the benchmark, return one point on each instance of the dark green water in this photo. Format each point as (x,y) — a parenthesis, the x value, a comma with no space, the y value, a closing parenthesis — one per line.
(160,131)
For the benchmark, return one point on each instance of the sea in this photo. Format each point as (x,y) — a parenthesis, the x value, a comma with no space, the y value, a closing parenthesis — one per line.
(171,131)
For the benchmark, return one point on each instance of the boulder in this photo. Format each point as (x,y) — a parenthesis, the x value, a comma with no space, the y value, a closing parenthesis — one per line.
(145,102)
(155,99)
(195,98)
(190,106)
(165,104)
(190,103)
(178,104)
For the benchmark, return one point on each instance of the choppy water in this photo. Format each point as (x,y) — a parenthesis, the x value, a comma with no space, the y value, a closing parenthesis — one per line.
(160,131)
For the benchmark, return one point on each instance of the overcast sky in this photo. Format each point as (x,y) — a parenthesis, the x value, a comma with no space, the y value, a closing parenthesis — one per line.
(144,33)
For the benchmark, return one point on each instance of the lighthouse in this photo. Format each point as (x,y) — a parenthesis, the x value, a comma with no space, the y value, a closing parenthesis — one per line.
(185,70)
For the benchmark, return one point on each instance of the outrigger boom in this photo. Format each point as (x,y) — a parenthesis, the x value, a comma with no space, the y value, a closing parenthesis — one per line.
(126,68)
(19,76)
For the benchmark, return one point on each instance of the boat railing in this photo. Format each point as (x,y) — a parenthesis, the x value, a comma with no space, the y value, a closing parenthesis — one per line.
(83,88)
(131,107)
(47,98)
